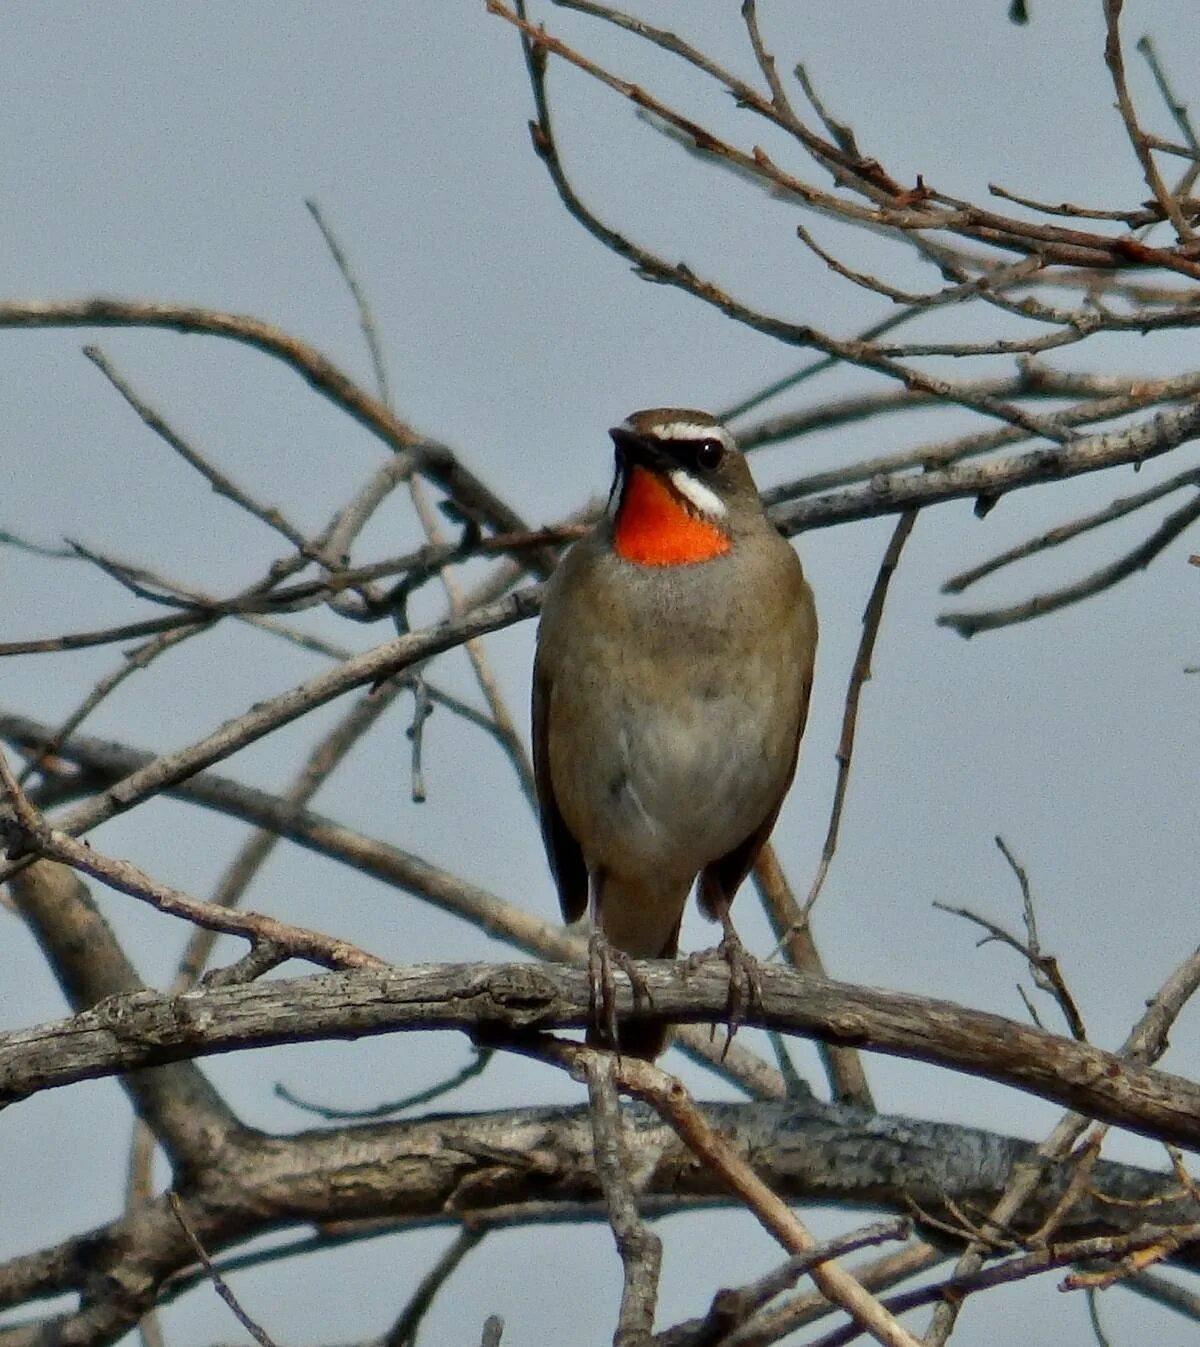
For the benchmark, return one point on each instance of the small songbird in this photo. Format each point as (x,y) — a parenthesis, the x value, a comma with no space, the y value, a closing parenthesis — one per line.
(671,686)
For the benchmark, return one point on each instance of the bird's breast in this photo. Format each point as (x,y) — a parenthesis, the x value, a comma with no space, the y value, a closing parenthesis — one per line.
(672,728)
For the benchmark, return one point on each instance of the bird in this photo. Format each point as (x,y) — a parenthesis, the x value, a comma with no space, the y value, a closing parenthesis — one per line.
(671,684)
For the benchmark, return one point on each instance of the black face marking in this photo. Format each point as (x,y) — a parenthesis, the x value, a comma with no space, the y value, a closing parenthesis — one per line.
(701,455)
(697,456)
(616,786)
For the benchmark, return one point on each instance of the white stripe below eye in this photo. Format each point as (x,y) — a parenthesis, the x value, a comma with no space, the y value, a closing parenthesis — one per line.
(706,501)
(613,504)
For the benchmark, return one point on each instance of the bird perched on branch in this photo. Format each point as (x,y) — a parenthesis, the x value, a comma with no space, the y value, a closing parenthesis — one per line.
(671,686)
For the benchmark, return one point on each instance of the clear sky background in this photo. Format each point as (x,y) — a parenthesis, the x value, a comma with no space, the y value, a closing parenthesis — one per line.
(165,152)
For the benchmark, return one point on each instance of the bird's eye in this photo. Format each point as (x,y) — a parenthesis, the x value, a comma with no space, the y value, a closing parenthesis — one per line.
(709,453)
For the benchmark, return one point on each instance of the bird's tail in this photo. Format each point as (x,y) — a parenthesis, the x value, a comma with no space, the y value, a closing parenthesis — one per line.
(647,1042)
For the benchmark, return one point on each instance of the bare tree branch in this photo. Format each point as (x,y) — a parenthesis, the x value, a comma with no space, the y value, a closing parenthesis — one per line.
(640,1250)
(485,999)
(434,460)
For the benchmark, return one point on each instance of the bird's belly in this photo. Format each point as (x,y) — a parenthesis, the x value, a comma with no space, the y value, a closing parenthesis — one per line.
(669,789)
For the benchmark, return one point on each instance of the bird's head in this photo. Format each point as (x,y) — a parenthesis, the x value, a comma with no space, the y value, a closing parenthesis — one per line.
(682,488)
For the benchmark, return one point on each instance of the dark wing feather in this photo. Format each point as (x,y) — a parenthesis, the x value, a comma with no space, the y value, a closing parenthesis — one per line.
(721,879)
(562,850)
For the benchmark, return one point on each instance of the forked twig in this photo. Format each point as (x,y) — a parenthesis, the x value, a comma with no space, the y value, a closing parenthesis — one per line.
(967,624)
(669,1098)
(1115,61)
(1146,1042)
(1043,967)
(1062,533)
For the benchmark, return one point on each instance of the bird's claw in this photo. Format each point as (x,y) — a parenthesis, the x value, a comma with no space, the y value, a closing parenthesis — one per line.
(602,988)
(745,979)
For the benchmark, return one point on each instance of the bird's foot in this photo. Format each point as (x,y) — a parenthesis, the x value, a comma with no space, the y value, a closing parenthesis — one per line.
(745,977)
(602,989)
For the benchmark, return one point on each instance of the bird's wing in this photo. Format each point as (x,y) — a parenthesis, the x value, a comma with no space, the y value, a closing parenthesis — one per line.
(722,878)
(562,850)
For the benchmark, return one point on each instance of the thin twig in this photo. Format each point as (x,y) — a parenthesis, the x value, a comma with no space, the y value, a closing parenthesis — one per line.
(473,1068)
(859,675)
(38,837)
(1135,216)
(403,1332)
(1164,1292)
(731,1308)
(220,1285)
(1115,61)
(50,552)
(370,328)
(1093,1304)
(766,63)
(1177,109)
(1179,112)
(843,1066)
(220,482)
(1046,973)
(967,624)
(1026,269)
(1084,1159)
(1062,533)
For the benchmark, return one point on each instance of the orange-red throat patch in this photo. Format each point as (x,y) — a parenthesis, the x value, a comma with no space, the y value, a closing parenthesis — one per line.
(655,528)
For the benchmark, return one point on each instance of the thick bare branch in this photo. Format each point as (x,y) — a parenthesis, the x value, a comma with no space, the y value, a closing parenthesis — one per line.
(485,999)
(187,1116)
(442,1171)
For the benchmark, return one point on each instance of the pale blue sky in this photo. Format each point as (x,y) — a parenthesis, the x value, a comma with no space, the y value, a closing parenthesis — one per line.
(165,152)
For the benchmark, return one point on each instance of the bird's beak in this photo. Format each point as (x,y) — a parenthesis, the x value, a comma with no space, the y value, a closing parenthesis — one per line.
(637,448)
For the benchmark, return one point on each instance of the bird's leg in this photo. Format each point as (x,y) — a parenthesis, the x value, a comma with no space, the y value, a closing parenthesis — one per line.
(602,990)
(745,974)
(602,987)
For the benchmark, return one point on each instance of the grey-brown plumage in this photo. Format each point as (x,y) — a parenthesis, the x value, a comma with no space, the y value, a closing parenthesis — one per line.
(669,698)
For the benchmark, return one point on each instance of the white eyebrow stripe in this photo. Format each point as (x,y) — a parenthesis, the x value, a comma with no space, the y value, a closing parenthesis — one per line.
(691,430)
(706,501)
